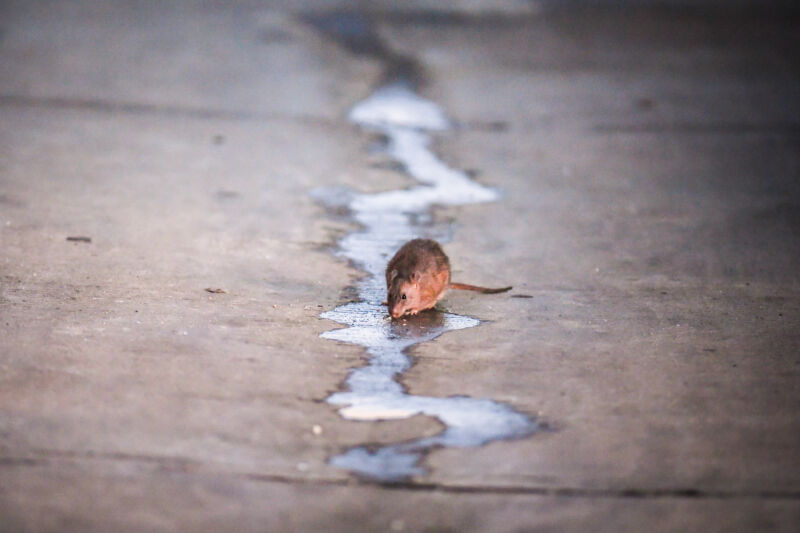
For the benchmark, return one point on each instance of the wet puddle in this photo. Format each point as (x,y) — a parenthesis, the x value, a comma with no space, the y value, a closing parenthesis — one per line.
(389,219)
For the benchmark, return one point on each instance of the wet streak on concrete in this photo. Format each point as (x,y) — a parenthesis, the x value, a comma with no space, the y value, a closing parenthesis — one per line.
(355,31)
(388,220)
(374,393)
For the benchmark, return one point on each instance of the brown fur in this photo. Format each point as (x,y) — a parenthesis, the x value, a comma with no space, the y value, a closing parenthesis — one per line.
(418,276)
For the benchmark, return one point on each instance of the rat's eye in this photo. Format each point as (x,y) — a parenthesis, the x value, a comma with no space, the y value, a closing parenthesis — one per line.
(403,297)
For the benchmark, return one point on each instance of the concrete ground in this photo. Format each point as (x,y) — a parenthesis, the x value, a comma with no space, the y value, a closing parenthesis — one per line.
(649,160)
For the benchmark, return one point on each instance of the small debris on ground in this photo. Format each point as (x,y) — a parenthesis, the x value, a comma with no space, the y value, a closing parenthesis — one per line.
(79,239)
(216,291)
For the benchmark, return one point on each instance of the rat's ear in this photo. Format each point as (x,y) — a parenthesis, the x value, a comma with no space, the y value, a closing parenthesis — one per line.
(392,275)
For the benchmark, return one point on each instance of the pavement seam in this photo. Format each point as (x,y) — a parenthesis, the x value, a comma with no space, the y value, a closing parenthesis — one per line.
(162,110)
(176,464)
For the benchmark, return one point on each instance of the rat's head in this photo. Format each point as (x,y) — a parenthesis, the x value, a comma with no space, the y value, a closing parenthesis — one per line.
(403,294)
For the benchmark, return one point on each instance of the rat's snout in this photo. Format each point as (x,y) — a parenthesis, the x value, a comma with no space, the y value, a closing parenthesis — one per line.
(396,310)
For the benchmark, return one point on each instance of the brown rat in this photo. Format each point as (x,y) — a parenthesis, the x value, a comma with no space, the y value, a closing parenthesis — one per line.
(418,276)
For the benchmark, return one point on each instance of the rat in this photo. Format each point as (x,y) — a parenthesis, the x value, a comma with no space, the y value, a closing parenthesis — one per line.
(418,276)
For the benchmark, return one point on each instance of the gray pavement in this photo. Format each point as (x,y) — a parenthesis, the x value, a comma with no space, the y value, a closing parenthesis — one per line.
(649,162)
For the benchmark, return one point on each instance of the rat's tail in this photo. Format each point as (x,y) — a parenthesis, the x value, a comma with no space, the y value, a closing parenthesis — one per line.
(484,290)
